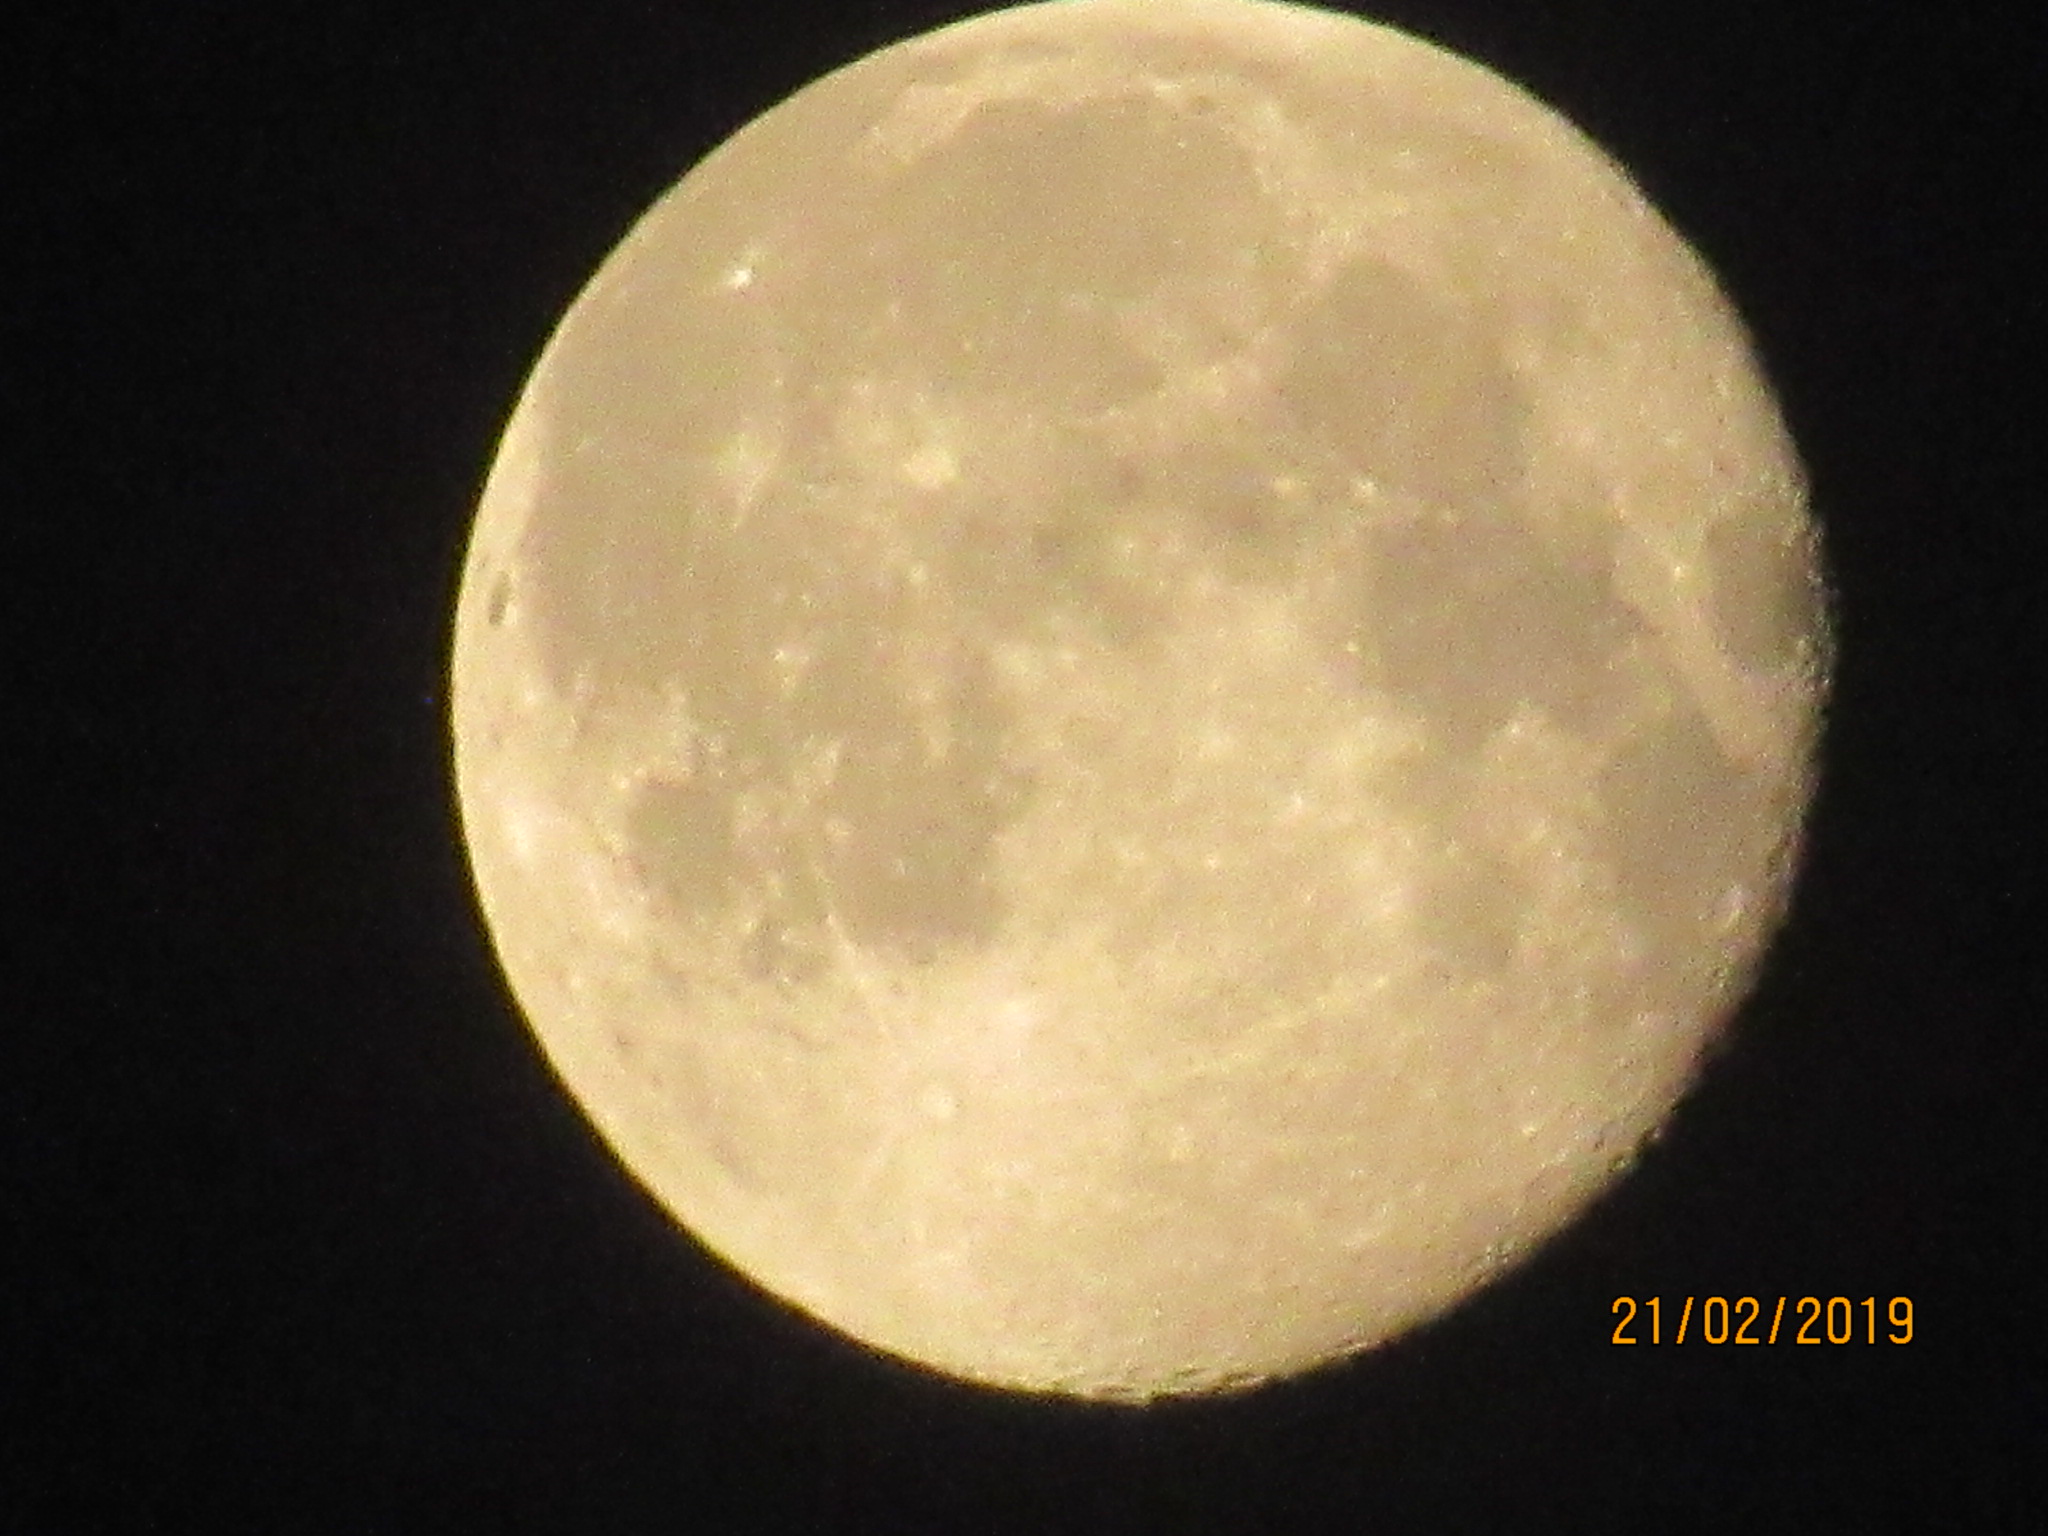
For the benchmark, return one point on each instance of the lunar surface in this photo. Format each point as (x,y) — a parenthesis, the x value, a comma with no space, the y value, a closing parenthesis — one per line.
(1132,687)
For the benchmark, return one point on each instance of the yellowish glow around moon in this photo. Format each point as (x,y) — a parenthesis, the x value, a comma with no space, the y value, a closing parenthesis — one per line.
(1133,685)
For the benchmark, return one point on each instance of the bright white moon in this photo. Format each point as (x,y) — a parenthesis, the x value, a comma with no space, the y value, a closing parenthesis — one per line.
(1132,686)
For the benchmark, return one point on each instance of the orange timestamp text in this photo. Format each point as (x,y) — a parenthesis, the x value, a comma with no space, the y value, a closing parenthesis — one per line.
(1741,1320)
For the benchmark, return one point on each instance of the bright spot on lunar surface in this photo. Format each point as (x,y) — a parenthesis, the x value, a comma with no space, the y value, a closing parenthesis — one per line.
(1132,687)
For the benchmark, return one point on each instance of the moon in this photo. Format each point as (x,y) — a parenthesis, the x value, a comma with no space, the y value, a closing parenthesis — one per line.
(1133,686)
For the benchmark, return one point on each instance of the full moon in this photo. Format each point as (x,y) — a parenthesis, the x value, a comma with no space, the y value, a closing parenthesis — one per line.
(1133,686)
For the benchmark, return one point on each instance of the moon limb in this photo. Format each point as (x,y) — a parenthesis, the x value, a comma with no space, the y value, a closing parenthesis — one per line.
(1267,776)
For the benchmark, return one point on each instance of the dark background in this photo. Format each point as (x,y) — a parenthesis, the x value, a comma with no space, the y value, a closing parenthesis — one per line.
(300,1234)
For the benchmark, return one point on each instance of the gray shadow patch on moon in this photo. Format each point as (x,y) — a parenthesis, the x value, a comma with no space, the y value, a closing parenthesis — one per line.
(875,777)
(1411,392)
(1472,617)
(1764,596)
(1005,255)
(1685,827)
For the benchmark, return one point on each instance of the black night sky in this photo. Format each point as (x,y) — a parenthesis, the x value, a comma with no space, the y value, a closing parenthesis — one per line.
(301,1235)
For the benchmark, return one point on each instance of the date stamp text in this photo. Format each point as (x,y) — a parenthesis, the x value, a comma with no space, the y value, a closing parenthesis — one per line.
(1750,1320)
